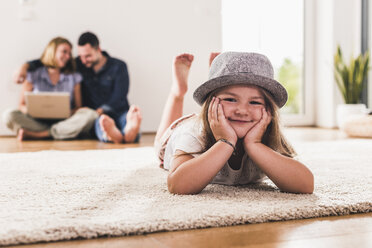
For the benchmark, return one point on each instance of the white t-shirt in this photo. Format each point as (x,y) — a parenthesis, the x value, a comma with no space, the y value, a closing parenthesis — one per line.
(187,137)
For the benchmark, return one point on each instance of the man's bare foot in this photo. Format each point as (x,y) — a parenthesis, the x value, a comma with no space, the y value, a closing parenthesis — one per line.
(212,56)
(109,129)
(181,68)
(134,119)
(20,135)
(24,134)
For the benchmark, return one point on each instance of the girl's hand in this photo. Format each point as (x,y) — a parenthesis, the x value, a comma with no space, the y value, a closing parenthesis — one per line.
(255,134)
(221,129)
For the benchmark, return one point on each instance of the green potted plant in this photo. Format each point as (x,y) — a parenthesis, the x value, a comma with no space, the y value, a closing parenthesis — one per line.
(350,81)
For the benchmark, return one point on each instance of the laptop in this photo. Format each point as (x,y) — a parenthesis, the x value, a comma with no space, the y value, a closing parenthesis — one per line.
(48,105)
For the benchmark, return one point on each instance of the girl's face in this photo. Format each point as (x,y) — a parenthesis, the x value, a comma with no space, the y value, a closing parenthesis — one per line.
(63,54)
(242,106)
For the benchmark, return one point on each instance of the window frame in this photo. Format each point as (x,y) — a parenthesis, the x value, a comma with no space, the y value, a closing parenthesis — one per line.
(307,115)
(366,25)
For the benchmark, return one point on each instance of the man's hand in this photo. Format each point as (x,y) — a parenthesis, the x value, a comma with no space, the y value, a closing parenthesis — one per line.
(221,129)
(20,74)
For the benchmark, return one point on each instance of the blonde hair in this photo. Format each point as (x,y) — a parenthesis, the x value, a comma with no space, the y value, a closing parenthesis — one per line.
(48,58)
(272,137)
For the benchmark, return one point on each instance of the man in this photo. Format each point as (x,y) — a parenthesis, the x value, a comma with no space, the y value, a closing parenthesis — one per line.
(105,88)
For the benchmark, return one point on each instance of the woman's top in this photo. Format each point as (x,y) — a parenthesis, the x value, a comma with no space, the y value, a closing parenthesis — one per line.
(41,82)
(186,134)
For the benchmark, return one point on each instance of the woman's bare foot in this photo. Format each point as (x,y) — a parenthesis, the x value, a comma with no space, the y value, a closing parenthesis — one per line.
(134,119)
(211,58)
(24,134)
(181,68)
(109,128)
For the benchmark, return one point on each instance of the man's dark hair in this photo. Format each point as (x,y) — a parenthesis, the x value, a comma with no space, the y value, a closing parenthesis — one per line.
(88,38)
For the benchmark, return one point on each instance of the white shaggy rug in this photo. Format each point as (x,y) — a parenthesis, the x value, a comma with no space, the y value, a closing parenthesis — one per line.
(63,195)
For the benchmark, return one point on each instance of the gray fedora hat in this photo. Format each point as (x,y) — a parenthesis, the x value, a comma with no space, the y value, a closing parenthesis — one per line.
(232,68)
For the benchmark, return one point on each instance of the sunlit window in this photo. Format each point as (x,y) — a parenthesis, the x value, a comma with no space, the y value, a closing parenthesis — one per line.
(274,28)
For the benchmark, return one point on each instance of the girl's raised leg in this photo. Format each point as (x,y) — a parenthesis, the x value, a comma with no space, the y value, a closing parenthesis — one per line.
(174,106)
(212,56)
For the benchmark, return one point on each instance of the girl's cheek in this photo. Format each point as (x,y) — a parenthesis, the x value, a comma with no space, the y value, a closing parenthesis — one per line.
(258,112)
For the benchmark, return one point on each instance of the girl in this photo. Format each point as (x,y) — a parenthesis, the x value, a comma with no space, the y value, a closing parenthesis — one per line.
(236,139)
(57,75)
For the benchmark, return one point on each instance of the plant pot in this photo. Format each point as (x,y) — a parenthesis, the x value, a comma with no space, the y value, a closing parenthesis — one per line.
(346,112)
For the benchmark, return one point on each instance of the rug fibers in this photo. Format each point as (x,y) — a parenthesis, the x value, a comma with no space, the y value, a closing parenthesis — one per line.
(63,195)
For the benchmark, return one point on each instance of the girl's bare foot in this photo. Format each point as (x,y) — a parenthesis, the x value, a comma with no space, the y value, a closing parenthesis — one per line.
(181,68)
(211,58)
(24,134)
(134,119)
(109,128)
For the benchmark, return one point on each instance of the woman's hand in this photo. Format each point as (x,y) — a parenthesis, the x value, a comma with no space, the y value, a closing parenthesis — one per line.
(26,87)
(255,134)
(20,74)
(221,129)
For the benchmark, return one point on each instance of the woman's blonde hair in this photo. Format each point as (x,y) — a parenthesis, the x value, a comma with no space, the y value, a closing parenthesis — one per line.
(48,58)
(272,137)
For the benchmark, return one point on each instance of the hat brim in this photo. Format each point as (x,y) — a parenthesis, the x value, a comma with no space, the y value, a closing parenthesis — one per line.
(277,91)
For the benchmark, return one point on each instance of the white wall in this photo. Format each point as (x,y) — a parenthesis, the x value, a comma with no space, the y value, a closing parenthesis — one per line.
(146,34)
(337,22)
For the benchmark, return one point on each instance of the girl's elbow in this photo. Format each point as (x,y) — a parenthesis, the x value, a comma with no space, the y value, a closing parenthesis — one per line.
(173,187)
(308,187)
(176,188)
(305,186)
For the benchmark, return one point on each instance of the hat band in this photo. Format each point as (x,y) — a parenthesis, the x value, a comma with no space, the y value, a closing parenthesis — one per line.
(241,72)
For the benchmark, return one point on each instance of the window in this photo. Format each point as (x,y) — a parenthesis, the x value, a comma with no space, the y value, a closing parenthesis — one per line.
(366,44)
(277,29)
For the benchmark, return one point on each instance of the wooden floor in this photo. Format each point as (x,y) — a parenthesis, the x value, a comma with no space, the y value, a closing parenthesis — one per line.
(344,231)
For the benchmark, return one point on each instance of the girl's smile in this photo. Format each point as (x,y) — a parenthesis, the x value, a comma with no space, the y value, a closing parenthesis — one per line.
(239,121)
(242,106)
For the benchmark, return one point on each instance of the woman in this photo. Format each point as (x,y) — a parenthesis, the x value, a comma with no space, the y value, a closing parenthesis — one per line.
(57,75)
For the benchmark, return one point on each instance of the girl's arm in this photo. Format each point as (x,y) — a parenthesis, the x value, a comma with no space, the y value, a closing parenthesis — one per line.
(26,87)
(288,174)
(189,175)
(77,97)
